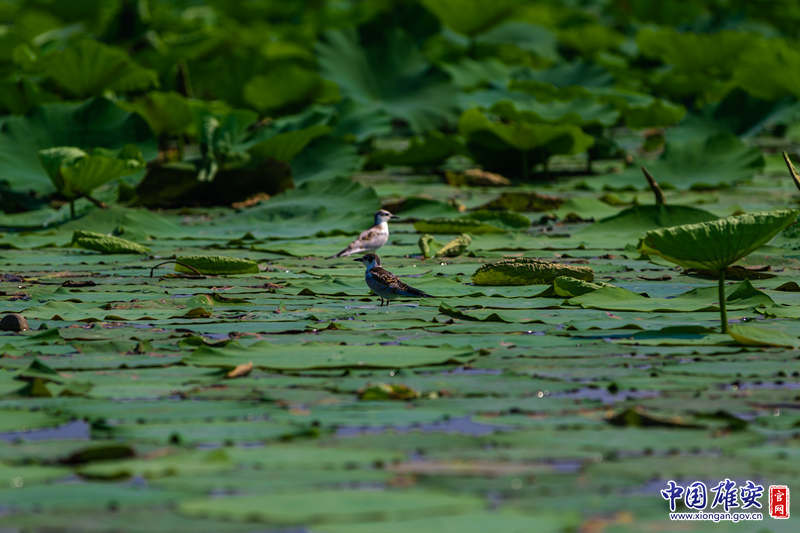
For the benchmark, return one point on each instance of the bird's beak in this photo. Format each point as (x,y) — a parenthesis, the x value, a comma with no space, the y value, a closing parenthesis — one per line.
(359,260)
(394,217)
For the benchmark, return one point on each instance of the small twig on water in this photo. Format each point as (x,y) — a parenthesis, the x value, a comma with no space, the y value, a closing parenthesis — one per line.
(184,265)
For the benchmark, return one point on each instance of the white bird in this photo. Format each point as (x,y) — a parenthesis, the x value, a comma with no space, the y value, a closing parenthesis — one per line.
(370,239)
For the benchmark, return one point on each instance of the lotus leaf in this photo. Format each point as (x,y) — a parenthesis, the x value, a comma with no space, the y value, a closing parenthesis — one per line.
(107,244)
(508,141)
(88,68)
(215,265)
(527,271)
(716,244)
(76,173)
(391,75)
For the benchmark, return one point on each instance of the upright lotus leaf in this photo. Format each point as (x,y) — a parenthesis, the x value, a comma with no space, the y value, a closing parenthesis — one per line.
(326,158)
(285,85)
(470,17)
(167,113)
(390,75)
(76,173)
(97,122)
(527,271)
(528,37)
(508,141)
(422,152)
(89,68)
(716,244)
(428,245)
(285,146)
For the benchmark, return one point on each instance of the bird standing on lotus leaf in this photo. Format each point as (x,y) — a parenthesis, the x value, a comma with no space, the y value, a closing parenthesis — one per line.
(385,284)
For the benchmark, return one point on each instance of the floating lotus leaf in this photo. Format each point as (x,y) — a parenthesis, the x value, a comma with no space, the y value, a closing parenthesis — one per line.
(716,244)
(753,335)
(387,391)
(569,287)
(215,264)
(107,244)
(456,225)
(527,271)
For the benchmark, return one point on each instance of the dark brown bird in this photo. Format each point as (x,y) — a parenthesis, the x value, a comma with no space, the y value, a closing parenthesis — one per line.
(385,284)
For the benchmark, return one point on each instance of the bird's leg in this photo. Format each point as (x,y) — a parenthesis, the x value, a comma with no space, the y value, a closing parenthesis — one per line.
(380,304)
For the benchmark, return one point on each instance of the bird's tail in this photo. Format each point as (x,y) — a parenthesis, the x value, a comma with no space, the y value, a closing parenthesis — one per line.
(411,291)
(343,253)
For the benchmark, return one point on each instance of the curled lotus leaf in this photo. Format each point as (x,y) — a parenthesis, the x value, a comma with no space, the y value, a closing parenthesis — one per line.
(107,244)
(569,287)
(527,271)
(455,247)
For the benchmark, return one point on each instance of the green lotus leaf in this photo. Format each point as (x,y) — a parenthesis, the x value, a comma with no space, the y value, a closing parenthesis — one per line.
(457,226)
(215,264)
(510,142)
(97,122)
(325,159)
(285,146)
(426,152)
(628,225)
(387,391)
(528,37)
(719,160)
(428,245)
(285,85)
(390,75)
(167,113)
(527,271)
(455,247)
(470,17)
(716,244)
(755,335)
(107,244)
(76,173)
(569,287)
(88,68)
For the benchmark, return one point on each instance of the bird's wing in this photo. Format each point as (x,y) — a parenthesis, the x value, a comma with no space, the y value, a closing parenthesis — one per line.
(358,245)
(369,234)
(394,284)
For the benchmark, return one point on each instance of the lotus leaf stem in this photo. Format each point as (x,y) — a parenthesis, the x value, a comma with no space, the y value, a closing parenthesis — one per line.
(655,187)
(723,312)
(792,171)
